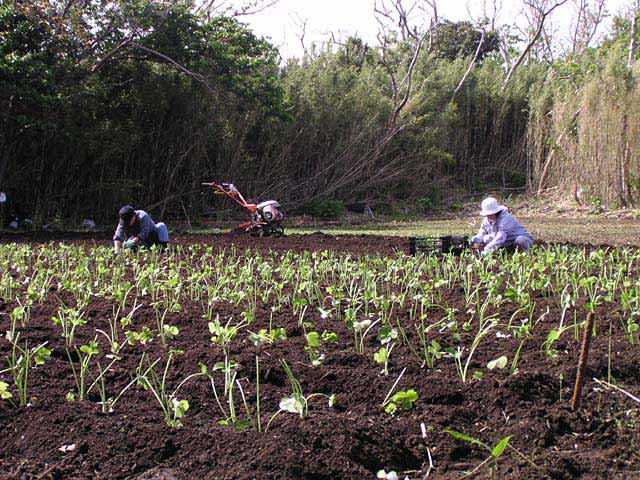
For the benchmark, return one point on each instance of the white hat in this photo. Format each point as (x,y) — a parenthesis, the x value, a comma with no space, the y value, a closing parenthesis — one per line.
(490,206)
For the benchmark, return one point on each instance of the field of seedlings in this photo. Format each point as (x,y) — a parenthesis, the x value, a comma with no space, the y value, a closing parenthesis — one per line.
(315,357)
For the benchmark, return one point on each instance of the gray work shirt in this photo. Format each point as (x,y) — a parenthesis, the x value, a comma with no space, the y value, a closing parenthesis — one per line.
(503,231)
(141,228)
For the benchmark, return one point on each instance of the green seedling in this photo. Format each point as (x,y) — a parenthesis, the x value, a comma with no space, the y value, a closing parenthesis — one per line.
(5,394)
(552,337)
(495,452)
(170,331)
(264,336)
(149,379)
(498,363)
(402,400)
(85,353)
(297,402)
(228,368)
(429,352)
(360,331)
(223,335)
(382,358)
(329,337)
(21,360)
(314,343)
(143,337)
(485,326)
(69,319)
(21,314)
(312,348)
(386,336)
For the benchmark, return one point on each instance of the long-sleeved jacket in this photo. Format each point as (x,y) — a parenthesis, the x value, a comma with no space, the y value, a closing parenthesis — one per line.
(503,231)
(141,228)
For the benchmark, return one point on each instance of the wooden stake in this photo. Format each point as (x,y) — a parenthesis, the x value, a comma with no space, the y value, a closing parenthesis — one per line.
(582,362)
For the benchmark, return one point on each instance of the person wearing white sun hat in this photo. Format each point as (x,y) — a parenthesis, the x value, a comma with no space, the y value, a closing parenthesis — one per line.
(500,229)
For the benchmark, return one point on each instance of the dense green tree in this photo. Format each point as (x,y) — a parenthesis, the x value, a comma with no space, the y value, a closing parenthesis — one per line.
(127,101)
(460,39)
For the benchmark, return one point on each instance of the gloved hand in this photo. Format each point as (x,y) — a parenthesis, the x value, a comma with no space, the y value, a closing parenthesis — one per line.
(129,243)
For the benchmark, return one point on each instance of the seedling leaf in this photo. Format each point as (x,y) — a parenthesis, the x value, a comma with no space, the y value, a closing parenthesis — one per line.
(4,393)
(330,337)
(180,407)
(499,363)
(499,448)
(466,438)
(381,355)
(313,339)
(292,405)
(41,355)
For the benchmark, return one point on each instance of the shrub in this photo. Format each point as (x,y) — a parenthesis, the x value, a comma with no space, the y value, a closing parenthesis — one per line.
(324,208)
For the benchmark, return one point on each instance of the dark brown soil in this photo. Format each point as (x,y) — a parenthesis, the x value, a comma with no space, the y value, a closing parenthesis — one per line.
(357,244)
(352,440)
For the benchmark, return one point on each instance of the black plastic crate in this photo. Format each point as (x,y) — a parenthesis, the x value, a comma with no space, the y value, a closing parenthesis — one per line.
(438,245)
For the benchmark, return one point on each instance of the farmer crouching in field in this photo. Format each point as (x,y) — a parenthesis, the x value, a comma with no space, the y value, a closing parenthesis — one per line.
(500,229)
(138,227)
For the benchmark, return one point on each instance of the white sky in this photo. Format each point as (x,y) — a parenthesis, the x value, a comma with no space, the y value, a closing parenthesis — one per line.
(282,23)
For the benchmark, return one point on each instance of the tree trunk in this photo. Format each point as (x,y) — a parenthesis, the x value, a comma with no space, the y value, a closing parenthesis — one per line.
(632,43)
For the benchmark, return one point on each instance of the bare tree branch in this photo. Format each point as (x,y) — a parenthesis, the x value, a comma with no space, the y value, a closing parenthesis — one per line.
(471,64)
(401,90)
(196,76)
(226,7)
(633,42)
(301,24)
(496,9)
(588,17)
(408,80)
(542,17)
(434,10)
(397,14)
(121,46)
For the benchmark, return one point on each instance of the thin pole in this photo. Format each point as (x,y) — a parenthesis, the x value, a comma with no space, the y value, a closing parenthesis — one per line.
(582,362)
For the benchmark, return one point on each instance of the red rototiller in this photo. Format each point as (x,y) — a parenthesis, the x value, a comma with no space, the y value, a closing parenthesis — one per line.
(265,217)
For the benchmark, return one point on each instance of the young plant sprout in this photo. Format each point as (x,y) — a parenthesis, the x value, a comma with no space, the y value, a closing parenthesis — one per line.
(165,331)
(142,337)
(230,416)
(495,452)
(21,360)
(384,475)
(151,380)
(223,335)
(69,319)
(84,354)
(486,324)
(382,357)
(402,400)
(386,336)
(312,348)
(498,363)
(5,394)
(297,403)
